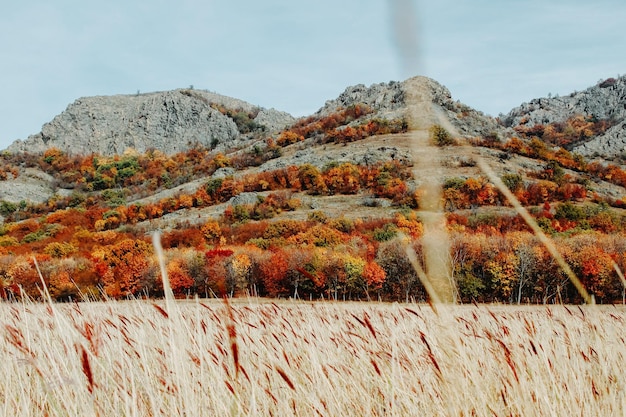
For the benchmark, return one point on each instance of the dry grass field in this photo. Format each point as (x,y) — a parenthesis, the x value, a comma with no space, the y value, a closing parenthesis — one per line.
(256,357)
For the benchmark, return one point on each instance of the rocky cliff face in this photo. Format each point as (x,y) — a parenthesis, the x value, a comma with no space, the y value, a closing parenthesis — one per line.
(604,101)
(171,121)
(386,99)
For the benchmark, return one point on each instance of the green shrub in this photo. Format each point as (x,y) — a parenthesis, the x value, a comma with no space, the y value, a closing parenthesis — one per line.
(440,136)
(385,233)
(569,211)
(7,208)
(513,181)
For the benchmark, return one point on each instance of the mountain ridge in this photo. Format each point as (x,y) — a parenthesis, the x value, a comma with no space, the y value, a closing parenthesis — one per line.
(176,120)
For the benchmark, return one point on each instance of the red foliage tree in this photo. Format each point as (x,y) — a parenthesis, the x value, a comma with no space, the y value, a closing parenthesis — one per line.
(216,270)
(374,276)
(274,273)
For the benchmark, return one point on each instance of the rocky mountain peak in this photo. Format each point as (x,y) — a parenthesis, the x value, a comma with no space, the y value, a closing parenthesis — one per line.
(390,101)
(174,121)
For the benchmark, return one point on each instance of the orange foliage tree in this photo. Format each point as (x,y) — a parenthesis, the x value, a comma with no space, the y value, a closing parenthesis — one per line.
(181,281)
(122,266)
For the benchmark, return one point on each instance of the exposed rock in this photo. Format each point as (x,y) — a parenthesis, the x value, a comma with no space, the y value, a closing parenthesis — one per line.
(608,145)
(171,121)
(31,185)
(389,100)
(386,98)
(376,202)
(274,120)
(356,155)
(463,119)
(604,101)
(244,199)
(224,172)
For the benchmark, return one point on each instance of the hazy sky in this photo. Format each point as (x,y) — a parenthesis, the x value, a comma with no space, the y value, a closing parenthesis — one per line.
(294,55)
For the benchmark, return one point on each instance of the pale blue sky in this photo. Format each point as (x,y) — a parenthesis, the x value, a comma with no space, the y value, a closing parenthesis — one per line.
(294,55)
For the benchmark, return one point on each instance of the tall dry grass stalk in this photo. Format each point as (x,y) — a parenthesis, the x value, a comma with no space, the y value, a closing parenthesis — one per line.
(436,273)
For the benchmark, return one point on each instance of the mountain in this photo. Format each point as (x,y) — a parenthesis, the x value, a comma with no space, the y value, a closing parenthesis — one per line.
(604,102)
(264,140)
(175,121)
(252,199)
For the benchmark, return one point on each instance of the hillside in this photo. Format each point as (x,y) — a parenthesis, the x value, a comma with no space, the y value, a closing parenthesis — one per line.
(252,200)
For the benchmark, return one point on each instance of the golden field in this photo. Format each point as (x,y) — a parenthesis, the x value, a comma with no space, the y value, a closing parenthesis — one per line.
(256,357)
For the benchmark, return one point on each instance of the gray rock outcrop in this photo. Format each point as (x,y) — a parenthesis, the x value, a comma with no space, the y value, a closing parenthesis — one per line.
(171,121)
(386,99)
(31,185)
(389,101)
(468,122)
(244,199)
(274,120)
(355,155)
(604,101)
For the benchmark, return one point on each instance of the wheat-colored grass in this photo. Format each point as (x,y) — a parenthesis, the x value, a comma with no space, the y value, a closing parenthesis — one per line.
(251,358)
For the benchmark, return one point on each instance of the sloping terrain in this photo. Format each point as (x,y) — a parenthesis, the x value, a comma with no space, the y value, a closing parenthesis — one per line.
(177,120)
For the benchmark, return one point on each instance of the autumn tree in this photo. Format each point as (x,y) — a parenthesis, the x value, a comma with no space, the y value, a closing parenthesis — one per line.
(402,281)
(23,274)
(373,277)
(342,179)
(274,273)
(216,270)
(550,283)
(180,279)
(522,245)
(238,273)
(211,231)
(122,267)
(464,257)
(593,265)
(311,179)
